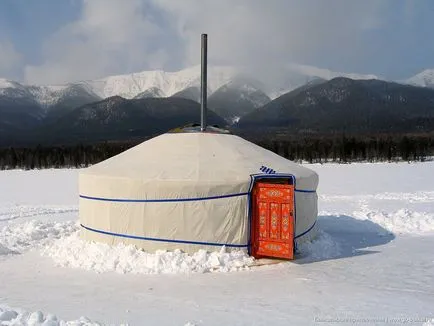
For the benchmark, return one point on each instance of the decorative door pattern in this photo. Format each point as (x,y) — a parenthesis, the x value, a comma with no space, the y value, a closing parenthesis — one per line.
(273,220)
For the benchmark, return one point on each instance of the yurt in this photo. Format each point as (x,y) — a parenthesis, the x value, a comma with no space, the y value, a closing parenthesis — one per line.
(199,188)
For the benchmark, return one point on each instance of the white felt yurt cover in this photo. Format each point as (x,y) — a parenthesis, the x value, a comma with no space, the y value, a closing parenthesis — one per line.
(186,191)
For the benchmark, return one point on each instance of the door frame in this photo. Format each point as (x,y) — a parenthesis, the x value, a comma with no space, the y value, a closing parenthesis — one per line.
(258,177)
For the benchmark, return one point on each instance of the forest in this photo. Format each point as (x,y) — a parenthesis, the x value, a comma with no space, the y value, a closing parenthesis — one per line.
(314,149)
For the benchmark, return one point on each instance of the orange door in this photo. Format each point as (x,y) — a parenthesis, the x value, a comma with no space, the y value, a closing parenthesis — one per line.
(273,221)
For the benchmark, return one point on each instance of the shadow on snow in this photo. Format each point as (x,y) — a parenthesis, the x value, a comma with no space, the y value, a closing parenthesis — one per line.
(342,236)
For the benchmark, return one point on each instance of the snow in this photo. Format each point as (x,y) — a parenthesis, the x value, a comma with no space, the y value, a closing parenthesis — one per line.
(165,84)
(34,233)
(152,92)
(327,74)
(4,83)
(429,323)
(235,120)
(9,316)
(12,212)
(291,76)
(372,260)
(47,96)
(11,89)
(400,221)
(170,83)
(323,247)
(44,95)
(423,79)
(129,85)
(249,89)
(5,251)
(76,253)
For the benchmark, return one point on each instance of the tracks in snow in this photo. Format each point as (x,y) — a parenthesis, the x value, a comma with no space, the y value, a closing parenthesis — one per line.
(18,238)
(24,227)
(10,212)
(409,197)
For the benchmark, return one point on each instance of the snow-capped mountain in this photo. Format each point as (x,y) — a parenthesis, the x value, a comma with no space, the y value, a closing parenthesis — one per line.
(117,118)
(190,93)
(46,96)
(327,74)
(25,107)
(165,84)
(6,85)
(169,83)
(13,90)
(238,97)
(153,92)
(423,79)
(344,105)
(293,76)
(234,94)
(232,91)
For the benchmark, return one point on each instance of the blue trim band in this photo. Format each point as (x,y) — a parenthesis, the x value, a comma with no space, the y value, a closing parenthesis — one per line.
(253,177)
(120,200)
(306,191)
(165,240)
(162,200)
(305,232)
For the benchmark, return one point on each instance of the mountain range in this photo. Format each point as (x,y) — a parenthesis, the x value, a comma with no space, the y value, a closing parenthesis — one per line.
(423,79)
(344,105)
(30,110)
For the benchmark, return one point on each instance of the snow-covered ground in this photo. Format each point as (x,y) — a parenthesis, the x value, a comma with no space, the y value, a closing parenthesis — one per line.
(373,262)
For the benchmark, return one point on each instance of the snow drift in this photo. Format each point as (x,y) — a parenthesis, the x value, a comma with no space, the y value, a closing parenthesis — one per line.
(74,252)
(323,247)
(9,316)
(5,251)
(33,234)
(99,257)
(378,232)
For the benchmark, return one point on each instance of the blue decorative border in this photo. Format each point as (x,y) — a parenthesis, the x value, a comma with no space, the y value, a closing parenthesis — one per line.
(254,177)
(231,245)
(306,191)
(122,200)
(305,232)
(162,200)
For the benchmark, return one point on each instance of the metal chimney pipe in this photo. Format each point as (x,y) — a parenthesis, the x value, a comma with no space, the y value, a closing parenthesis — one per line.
(203,81)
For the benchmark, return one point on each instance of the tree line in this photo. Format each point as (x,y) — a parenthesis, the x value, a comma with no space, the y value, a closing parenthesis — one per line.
(342,149)
(59,156)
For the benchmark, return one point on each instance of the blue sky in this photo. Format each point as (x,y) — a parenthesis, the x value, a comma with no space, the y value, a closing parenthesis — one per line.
(54,41)
(28,23)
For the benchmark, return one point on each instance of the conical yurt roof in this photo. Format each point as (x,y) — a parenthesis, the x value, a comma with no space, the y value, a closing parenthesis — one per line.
(197,159)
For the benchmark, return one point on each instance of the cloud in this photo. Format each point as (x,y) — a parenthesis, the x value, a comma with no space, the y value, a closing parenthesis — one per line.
(10,58)
(109,37)
(257,31)
(113,36)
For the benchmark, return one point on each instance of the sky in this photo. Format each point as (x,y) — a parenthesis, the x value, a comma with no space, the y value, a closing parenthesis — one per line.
(58,41)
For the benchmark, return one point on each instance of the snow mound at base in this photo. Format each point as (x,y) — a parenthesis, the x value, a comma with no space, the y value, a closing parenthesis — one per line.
(5,251)
(99,257)
(322,247)
(403,221)
(24,236)
(10,316)
(429,323)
